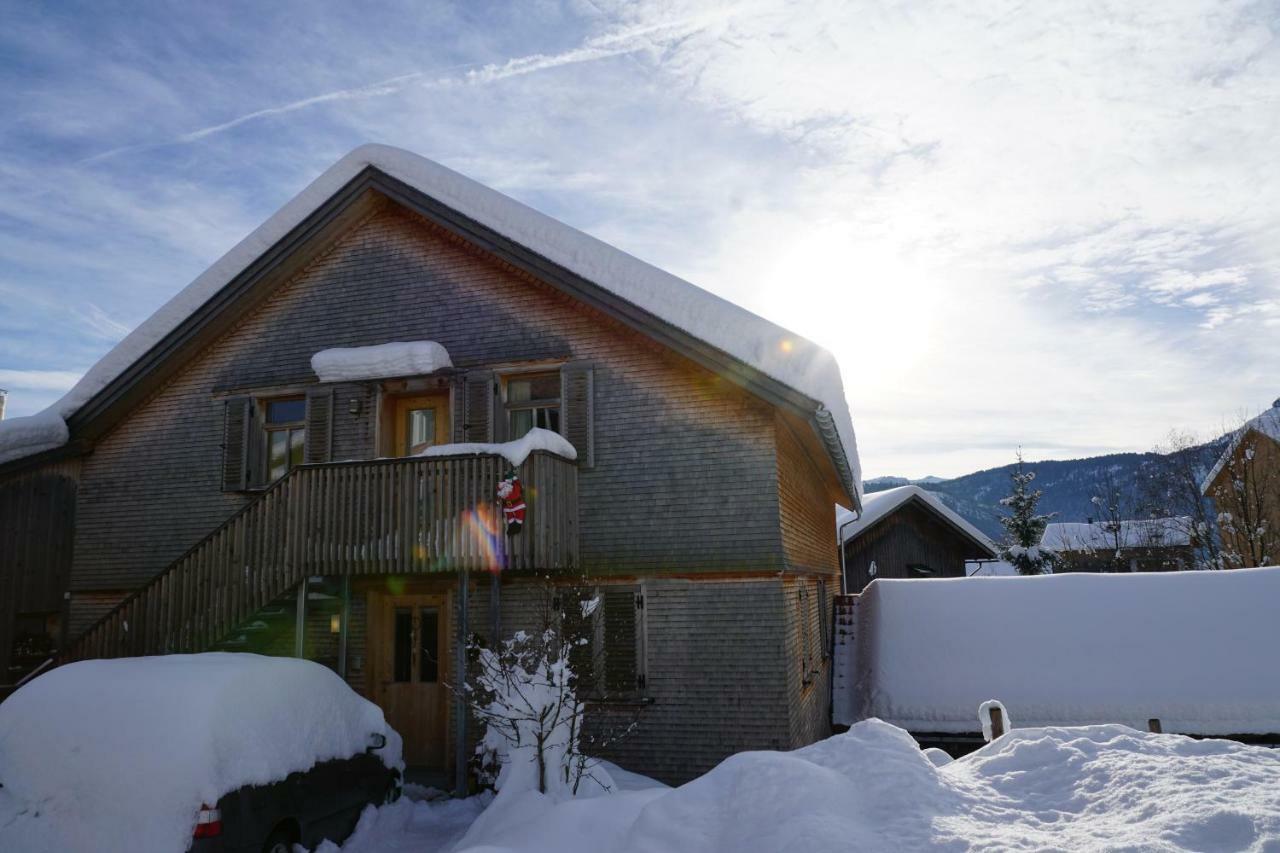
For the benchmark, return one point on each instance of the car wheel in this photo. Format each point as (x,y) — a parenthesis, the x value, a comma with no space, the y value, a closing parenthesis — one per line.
(280,841)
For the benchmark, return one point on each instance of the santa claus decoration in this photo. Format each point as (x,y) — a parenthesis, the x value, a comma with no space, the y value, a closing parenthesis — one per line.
(512,496)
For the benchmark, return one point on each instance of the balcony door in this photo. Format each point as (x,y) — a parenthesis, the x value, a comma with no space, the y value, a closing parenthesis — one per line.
(409,644)
(421,421)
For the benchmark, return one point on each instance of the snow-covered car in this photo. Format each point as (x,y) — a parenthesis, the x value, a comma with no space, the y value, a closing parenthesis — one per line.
(211,752)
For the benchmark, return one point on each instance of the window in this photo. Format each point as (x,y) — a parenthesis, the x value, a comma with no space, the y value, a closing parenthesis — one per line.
(533,400)
(283,424)
(34,641)
(416,658)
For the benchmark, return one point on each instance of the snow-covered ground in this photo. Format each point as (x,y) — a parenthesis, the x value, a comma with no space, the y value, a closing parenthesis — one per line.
(1091,788)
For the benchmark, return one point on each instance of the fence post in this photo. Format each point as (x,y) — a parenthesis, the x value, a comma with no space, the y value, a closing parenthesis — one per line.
(997,721)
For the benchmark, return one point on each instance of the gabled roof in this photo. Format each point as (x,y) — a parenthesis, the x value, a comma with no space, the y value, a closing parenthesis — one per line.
(634,287)
(1136,533)
(1267,423)
(879,505)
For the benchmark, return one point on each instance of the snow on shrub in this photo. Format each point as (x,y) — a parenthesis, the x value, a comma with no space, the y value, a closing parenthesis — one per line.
(118,755)
(524,693)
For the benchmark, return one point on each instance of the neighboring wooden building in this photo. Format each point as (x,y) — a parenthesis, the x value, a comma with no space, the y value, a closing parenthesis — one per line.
(907,532)
(216,494)
(1245,487)
(1140,545)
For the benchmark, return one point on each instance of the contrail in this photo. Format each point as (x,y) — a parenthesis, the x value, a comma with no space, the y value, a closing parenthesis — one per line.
(599,47)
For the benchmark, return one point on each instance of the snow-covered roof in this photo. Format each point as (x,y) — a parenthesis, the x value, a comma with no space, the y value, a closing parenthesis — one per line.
(1267,423)
(775,352)
(877,505)
(1194,649)
(1137,533)
(120,754)
(400,358)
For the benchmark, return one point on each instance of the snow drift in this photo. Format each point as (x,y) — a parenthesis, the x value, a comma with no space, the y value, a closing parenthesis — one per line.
(117,755)
(873,789)
(1194,649)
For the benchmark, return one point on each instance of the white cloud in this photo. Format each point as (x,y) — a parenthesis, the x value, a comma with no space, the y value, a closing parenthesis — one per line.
(1035,212)
(1053,225)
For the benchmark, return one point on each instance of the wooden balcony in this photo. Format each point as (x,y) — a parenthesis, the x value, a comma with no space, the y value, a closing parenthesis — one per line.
(388,516)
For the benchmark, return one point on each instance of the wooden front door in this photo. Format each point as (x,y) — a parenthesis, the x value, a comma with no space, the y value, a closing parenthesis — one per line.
(409,644)
(421,422)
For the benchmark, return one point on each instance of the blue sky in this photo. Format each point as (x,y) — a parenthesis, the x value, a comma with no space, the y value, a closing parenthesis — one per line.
(1047,225)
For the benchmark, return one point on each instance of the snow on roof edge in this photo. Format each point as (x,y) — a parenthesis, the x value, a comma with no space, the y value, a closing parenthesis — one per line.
(877,505)
(775,352)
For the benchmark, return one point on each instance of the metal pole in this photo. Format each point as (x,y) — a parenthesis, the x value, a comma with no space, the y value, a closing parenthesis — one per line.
(343,633)
(459,703)
(495,610)
(300,621)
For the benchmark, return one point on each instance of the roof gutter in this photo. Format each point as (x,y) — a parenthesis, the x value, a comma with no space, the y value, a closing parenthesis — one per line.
(825,426)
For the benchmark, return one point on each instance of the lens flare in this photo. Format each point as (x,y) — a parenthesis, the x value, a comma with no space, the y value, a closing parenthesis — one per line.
(483,523)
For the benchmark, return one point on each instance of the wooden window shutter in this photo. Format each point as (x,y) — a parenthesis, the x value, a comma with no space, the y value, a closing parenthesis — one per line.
(577,404)
(477,406)
(319,441)
(624,671)
(236,412)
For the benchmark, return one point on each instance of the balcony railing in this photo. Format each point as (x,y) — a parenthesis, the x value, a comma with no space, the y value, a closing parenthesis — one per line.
(388,516)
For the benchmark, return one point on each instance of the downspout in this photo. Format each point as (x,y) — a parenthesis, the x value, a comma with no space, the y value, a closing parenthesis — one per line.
(459,703)
(844,587)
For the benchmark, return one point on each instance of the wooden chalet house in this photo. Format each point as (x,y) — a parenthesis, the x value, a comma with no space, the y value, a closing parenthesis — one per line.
(907,532)
(254,468)
(1136,545)
(1244,484)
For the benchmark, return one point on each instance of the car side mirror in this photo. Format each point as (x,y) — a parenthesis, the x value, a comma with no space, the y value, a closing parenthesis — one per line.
(377,740)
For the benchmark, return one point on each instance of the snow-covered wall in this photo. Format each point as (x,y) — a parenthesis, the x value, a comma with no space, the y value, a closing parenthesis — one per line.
(1194,649)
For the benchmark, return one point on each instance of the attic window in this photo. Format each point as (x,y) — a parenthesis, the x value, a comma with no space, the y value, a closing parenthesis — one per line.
(533,400)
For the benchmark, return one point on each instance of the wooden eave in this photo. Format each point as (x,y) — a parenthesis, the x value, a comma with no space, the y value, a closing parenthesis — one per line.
(340,211)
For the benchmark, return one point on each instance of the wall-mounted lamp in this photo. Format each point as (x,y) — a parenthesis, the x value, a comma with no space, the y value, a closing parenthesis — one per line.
(335,624)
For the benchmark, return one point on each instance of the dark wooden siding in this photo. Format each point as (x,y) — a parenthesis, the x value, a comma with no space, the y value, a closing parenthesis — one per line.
(684,461)
(37,517)
(717,672)
(909,535)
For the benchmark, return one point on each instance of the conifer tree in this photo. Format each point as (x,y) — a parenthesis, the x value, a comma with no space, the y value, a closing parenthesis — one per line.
(1023,527)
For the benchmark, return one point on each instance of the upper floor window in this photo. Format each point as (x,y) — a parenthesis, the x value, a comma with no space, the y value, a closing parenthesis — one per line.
(284,425)
(533,400)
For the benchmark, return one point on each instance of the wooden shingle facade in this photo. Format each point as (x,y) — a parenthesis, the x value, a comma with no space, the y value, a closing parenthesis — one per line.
(701,495)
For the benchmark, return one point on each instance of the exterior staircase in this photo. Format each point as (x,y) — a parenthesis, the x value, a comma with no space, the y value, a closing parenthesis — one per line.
(387,516)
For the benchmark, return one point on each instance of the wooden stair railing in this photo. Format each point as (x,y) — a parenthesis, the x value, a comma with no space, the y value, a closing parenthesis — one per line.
(386,516)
